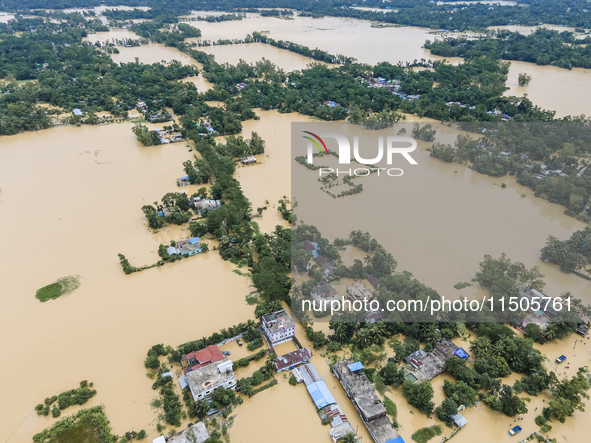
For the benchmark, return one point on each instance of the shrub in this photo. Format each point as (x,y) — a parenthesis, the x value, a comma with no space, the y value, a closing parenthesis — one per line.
(293,381)
(55,412)
(540,420)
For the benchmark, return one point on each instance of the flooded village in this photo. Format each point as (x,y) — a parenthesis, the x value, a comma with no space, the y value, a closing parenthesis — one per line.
(82,208)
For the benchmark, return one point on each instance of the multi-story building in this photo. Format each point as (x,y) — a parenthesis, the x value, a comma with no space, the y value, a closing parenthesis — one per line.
(205,380)
(279,327)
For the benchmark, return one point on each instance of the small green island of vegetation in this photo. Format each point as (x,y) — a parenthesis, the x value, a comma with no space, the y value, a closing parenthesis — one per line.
(62,286)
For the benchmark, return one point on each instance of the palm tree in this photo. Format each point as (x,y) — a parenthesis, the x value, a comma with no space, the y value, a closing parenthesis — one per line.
(349,438)
(340,332)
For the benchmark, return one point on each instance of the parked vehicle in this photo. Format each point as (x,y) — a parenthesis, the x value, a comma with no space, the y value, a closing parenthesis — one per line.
(560,359)
(239,342)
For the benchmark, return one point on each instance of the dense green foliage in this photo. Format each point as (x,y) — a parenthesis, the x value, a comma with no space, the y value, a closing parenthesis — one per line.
(92,424)
(572,254)
(419,395)
(543,47)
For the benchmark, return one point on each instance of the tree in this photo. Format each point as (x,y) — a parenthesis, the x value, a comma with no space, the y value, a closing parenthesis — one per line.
(349,438)
(293,381)
(523,79)
(419,395)
(446,410)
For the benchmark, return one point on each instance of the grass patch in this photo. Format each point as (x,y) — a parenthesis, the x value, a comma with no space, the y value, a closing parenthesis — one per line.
(425,434)
(462,285)
(391,410)
(80,433)
(62,286)
(379,383)
(86,426)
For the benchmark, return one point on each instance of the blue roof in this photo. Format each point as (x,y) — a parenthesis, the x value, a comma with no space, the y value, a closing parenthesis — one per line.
(357,366)
(461,353)
(194,240)
(320,394)
(396,440)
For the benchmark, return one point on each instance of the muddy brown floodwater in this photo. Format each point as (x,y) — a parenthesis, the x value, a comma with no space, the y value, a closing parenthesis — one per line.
(70,201)
(71,198)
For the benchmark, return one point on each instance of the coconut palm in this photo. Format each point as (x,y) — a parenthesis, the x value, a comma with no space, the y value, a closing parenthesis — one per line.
(349,438)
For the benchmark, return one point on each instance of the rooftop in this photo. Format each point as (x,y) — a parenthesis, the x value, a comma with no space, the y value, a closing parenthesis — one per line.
(193,434)
(201,358)
(207,376)
(277,320)
(292,359)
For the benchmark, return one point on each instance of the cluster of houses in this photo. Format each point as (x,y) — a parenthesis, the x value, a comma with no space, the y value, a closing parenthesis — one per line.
(461,105)
(185,248)
(166,138)
(421,365)
(328,408)
(205,125)
(546,171)
(325,264)
(367,403)
(330,103)
(201,204)
(392,85)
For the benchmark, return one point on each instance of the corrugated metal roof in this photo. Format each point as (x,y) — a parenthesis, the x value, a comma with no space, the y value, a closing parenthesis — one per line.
(310,374)
(167,374)
(184,382)
(459,420)
(320,394)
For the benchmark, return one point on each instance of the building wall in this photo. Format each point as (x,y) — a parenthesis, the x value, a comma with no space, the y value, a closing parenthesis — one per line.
(229,383)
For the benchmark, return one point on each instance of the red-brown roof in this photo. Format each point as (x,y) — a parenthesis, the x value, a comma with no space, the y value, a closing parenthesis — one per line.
(308,246)
(204,357)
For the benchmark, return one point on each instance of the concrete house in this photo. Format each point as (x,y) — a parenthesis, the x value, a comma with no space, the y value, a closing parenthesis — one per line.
(278,327)
(205,380)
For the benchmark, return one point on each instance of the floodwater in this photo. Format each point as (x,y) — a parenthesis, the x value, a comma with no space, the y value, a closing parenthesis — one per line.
(87,210)
(253,52)
(94,181)
(443,217)
(551,88)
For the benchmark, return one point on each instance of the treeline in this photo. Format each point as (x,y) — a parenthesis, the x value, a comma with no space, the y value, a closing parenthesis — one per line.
(316,54)
(573,254)
(543,47)
(171,37)
(519,148)
(66,399)
(409,12)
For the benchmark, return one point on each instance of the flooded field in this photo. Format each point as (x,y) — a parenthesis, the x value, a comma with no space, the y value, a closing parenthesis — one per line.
(70,201)
(83,208)
(253,52)
(444,217)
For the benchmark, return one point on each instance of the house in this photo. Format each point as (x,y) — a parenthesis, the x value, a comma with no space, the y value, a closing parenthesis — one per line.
(78,112)
(326,265)
(338,422)
(248,160)
(320,394)
(324,291)
(278,327)
(459,420)
(330,103)
(358,292)
(189,247)
(183,181)
(176,138)
(309,246)
(292,359)
(363,396)
(423,365)
(199,359)
(201,204)
(374,281)
(203,381)
(196,433)
(241,86)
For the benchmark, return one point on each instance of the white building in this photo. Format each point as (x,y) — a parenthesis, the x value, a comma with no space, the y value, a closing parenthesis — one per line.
(279,327)
(203,381)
